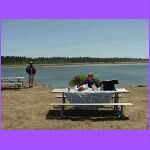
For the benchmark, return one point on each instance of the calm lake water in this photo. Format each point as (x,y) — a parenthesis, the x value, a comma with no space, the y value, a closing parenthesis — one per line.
(58,76)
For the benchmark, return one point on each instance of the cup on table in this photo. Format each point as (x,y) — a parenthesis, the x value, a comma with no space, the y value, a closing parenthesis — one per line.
(76,87)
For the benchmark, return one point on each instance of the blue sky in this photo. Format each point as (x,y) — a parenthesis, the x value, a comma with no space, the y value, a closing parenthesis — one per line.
(73,38)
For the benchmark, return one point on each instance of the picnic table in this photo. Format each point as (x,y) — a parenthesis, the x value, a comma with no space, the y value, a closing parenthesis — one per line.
(115,103)
(17,81)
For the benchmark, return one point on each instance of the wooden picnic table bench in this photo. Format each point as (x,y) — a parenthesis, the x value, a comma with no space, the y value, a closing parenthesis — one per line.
(119,114)
(17,81)
(115,104)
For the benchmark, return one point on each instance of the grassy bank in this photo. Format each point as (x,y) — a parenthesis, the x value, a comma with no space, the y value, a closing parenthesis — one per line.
(28,108)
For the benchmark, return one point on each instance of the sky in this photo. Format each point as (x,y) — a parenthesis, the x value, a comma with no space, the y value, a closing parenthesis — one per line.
(74,38)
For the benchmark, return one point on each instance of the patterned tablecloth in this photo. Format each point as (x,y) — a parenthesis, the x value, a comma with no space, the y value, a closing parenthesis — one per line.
(89,96)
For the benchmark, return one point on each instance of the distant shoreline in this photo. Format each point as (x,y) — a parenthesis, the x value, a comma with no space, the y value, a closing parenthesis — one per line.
(74,64)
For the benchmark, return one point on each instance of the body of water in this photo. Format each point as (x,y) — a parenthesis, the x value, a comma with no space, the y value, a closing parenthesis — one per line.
(59,76)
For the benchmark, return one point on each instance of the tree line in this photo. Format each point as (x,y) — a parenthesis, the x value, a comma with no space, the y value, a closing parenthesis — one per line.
(15,60)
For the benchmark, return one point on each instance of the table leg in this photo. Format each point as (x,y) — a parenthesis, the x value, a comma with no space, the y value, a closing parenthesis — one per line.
(116,97)
(62,107)
(63,99)
(116,101)
(62,112)
(122,114)
(19,86)
(119,113)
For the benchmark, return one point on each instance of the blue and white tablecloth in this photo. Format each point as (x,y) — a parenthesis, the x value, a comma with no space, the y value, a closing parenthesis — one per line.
(89,96)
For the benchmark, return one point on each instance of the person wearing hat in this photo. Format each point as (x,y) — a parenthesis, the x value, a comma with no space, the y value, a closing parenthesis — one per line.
(90,82)
(31,70)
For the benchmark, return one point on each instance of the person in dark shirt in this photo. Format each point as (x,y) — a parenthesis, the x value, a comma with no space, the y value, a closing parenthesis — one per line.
(90,82)
(31,70)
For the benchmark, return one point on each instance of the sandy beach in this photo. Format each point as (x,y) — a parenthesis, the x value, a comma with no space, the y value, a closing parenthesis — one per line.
(28,108)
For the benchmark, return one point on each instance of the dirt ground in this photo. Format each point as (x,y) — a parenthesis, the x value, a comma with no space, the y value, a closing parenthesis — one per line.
(28,108)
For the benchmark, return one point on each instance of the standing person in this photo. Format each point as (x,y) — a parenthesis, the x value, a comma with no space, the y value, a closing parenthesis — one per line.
(31,70)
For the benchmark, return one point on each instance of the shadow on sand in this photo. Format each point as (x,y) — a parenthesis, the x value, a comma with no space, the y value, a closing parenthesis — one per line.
(78,115)
(13,88)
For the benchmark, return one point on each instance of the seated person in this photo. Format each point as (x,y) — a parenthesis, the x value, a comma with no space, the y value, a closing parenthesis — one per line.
(90,82)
